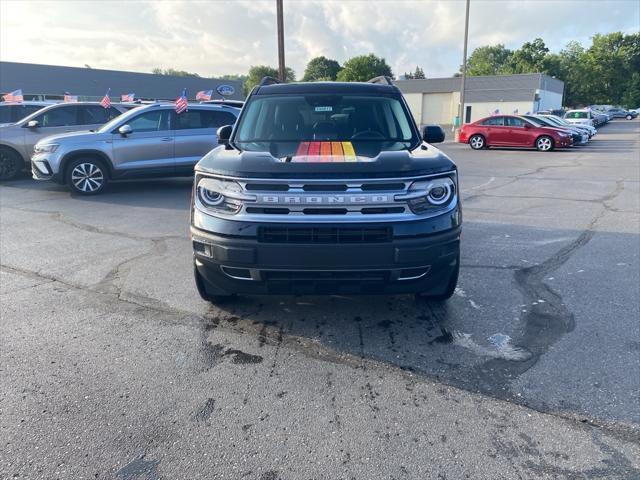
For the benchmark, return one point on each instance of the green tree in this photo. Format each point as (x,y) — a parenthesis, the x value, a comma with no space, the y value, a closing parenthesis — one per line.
(419,73)
(258,72)
(528,59)
(175,73)
(321,68)
(363,68)
(488,60)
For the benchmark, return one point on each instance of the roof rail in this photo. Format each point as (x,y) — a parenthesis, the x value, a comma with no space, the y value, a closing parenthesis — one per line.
(382,80)
(268,81)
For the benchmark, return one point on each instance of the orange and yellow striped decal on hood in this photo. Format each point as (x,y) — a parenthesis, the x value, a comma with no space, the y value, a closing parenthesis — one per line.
(320,152)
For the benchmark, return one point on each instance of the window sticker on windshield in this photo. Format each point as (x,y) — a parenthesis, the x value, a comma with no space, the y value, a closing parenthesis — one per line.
(328,108)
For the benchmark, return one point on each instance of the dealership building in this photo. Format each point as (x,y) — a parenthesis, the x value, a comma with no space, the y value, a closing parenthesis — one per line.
(436,100)
(42,82)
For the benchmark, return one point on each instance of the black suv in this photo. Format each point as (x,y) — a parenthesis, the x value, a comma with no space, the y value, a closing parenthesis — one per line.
(326,188)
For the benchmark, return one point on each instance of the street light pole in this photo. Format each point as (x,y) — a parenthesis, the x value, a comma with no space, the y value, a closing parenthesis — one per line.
(281,67)
(464,66)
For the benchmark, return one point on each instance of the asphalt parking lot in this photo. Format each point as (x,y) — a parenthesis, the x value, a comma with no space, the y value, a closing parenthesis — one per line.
(112,367)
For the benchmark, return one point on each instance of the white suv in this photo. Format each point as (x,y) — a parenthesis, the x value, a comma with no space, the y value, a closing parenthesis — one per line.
(582,117)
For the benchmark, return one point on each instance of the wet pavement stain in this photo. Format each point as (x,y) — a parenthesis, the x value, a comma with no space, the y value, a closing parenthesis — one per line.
(545,321)
(202,415)
(243,358)
(139,469)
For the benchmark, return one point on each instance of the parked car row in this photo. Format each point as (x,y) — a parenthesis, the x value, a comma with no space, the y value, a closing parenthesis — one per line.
(543,132)
(84,145)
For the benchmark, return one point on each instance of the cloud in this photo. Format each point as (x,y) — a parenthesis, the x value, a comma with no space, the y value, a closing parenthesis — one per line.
(214,38)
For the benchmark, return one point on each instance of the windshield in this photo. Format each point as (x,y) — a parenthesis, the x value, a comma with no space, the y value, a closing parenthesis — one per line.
(577,115)
(536,122)
(111,124)
(325,125)
(555,121)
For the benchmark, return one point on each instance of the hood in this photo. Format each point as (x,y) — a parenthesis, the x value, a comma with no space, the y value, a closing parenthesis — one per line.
(76,137)
(424,160)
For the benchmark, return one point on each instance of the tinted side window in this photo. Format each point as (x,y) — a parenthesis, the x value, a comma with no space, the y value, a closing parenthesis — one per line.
(97,115)
(514,122)
(5,114)
(220,119)
(22,111)
(154,121)
(204,119)
(59,117)
(495,121)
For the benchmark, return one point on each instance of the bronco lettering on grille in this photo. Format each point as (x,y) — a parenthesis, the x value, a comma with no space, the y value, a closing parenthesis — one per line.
(324,199)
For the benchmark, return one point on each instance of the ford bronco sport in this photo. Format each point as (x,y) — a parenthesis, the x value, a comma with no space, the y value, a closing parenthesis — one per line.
(326,188)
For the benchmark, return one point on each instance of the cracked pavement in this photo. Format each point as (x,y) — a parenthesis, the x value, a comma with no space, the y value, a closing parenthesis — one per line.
(112,367)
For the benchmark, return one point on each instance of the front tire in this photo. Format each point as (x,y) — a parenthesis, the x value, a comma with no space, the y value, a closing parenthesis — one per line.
(629,117)
(477,142)
(86,176)
(11,164)
(544,144)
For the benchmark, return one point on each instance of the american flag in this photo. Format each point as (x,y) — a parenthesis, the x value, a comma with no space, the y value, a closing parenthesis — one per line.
(106,101)
(127,97)
(68,98)
(15,96)
(181,102)
(204,95)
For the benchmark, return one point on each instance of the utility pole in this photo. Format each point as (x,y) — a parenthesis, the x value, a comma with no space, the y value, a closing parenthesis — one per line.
(464,67)
(281,67)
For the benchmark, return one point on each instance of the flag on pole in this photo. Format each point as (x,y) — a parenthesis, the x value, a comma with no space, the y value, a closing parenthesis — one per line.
(106,101)
(68,98)
(127,97)
(204,95)
(15,96)
(181,102)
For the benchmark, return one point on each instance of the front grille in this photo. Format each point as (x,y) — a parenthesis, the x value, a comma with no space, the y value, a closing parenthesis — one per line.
(325,235)
(316,276)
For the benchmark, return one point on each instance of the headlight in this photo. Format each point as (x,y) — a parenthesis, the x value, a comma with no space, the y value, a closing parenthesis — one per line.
(220,196)
(45,148)
(428,195)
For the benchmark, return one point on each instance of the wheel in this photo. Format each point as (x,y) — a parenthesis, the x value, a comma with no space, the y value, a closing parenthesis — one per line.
(11,164)
(477,142)
(451,286)
(86,176)
(629,117)
(544,143)
(204,294)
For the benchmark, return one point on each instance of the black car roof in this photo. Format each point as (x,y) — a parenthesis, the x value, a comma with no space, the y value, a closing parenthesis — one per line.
(326,87)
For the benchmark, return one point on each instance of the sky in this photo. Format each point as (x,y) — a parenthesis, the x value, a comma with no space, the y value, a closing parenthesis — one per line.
(224,37)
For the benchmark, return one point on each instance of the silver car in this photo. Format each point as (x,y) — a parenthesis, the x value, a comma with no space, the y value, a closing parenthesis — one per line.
(151,140)
(17,140)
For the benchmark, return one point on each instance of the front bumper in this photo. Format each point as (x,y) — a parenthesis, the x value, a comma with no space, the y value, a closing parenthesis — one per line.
(44,166)
(402,264)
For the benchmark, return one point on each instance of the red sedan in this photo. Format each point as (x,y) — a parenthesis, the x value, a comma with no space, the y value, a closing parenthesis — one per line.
(512,131)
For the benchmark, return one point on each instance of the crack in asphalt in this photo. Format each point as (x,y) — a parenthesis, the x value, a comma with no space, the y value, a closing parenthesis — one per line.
(60,217)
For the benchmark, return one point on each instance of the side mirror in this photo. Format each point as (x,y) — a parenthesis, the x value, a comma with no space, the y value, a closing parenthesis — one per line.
(224,134)
(125,130)
(433,134)
(527,126)
(33,124)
